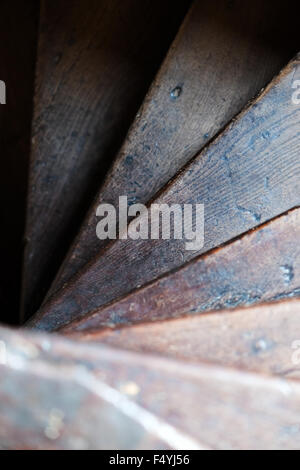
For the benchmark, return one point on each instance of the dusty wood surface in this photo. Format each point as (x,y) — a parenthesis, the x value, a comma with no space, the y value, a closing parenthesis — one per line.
(50,401)
(58,394)
(248,175)
(263,265)
(96,60)
(18,26)
(264,338)
(224,54)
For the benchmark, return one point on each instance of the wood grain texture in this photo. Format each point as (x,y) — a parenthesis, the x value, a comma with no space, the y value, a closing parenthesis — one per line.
(264,338)
(62,405)
(96,60)
(223,55)
(141,401)
(18,27)
(261,266)
(247,176)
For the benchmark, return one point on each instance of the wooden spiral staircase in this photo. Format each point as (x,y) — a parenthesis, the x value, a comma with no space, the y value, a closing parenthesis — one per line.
(142,344)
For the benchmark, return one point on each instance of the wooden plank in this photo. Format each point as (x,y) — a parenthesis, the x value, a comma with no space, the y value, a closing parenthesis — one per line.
(263,265)
(59,394)
(18,26)
(63,406)
(264,338)
(224,54)
(96,61)
(247,176)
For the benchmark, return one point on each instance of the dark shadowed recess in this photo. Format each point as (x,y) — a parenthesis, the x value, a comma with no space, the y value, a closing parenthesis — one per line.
(18,33)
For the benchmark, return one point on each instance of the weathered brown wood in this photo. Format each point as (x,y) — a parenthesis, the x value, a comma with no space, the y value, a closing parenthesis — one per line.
(224,54)
(18,34)
(248,175)
(140,401)
(261,266)
(264,338)
(96,60)
(50,401)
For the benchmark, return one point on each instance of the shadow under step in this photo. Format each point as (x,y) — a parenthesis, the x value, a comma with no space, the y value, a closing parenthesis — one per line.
(18,27)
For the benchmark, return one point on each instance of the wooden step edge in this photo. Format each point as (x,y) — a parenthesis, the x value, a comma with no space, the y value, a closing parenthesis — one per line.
(156,401)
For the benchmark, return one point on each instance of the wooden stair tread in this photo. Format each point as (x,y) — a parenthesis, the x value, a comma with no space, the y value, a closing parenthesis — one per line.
(144,401)
(247,176)
(95,63)
(154,347)
(259,339)
(261,266)
(220,60)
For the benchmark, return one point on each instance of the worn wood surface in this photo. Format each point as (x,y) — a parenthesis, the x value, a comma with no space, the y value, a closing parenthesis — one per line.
(264,338)
(248,175)
(263,265)
(224,54)
(53,401)
(96,60)
(59,394)
(18,27)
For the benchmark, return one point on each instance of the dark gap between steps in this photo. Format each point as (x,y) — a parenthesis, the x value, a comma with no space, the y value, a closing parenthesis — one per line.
(18,43)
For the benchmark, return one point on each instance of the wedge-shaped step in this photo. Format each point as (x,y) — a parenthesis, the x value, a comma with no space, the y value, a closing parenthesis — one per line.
(248,175)
(96,61)
(222,57)
(263,265)
(264,338)
(140,400)
(71,406)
